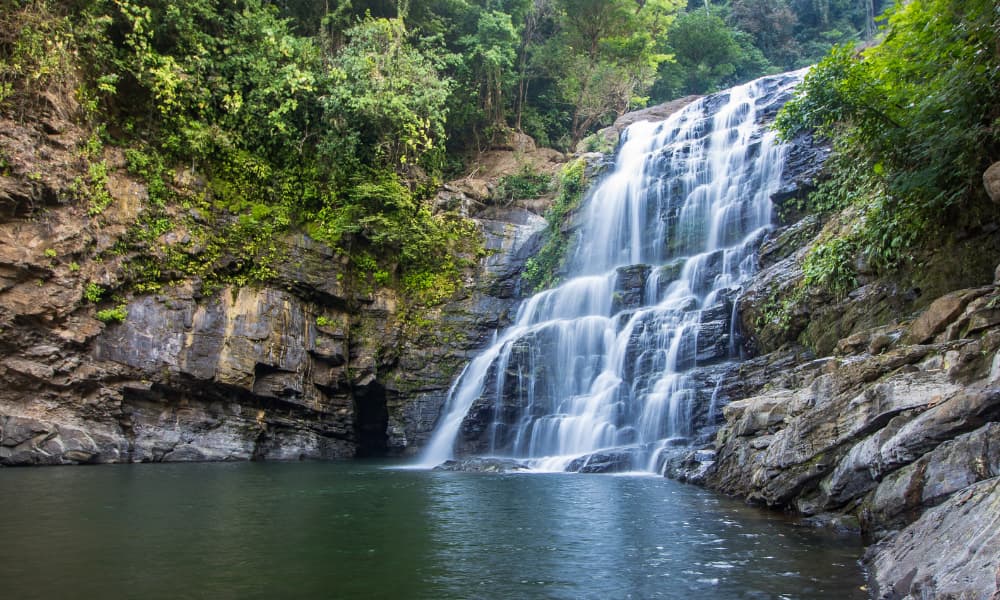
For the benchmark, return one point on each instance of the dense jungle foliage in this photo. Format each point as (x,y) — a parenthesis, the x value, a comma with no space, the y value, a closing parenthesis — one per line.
(341,117)
(915,121)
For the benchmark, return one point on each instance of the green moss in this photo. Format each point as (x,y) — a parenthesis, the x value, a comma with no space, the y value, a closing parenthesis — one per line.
(541,271)
(113,315)
(829,265)
(96,189)
(93,292)
(775,316)
(597,142)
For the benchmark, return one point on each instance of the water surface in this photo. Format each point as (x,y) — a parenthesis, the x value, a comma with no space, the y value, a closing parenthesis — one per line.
(360,530)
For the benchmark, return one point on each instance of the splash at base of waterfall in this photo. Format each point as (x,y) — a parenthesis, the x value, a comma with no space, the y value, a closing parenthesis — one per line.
(622,363)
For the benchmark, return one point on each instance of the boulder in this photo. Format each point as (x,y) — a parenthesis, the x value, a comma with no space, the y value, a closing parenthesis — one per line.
(608,461)
(952,551)
(689,466)
(940,314)
(482,465)
(991,181)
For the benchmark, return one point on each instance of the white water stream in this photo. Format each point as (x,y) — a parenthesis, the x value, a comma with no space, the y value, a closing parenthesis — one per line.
(609,360)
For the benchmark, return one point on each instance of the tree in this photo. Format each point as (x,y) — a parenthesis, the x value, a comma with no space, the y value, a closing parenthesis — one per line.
(772,24)
(386,103)
(607,55)
(491,52)
(916,116)
(707,55)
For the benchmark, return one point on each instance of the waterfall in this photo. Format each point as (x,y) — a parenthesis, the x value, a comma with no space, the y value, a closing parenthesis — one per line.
(614,363)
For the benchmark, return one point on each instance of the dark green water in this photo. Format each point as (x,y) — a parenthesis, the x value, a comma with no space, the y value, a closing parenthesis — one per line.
(358,530)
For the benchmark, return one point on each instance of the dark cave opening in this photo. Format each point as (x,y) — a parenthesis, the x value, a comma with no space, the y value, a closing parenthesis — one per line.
(371,419)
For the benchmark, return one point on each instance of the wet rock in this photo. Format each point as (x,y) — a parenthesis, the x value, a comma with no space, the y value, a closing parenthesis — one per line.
(804,162)
(952,466)
(713,341)
(951,551)
(482,465)
(510,241)
(836,522)
(630,286)
(608,461)
(786,241)
(689,466)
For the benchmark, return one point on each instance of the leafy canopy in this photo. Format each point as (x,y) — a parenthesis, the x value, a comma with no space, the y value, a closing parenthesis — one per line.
(917,115)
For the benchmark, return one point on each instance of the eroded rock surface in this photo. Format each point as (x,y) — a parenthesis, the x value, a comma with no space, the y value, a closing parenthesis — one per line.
(303,366)
(951,551)
(896,433)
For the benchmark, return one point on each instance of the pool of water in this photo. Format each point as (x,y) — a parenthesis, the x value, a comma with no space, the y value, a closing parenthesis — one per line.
(362,530)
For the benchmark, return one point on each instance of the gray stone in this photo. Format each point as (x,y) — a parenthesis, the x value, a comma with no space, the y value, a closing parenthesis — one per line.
(954,465)
(29,368)
(482,465)
(951,551)
(991,181)
(630,285)
(609,461)
(689,466)
(814,426)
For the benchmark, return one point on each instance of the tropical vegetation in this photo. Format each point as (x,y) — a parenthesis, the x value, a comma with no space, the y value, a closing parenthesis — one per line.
(248,119)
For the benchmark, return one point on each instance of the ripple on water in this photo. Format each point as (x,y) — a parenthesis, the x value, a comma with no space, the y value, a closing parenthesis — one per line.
(359,531)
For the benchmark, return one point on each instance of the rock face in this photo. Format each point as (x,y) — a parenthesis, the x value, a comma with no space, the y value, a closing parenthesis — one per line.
(961,561)
(419,380)
(896,433)
(301,367)
(245,373)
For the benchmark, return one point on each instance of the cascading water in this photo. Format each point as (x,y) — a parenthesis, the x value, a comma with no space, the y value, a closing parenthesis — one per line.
(612,362)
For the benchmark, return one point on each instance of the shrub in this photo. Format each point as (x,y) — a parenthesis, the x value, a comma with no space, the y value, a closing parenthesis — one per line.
(113,315)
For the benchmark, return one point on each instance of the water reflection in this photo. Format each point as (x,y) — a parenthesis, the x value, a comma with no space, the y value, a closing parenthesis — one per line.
(357,530)
(570,536)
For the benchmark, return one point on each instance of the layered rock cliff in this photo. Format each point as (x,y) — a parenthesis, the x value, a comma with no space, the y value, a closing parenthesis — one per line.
(302,366)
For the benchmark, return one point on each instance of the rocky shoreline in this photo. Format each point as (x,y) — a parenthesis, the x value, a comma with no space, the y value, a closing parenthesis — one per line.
(887,424)
(896,437)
